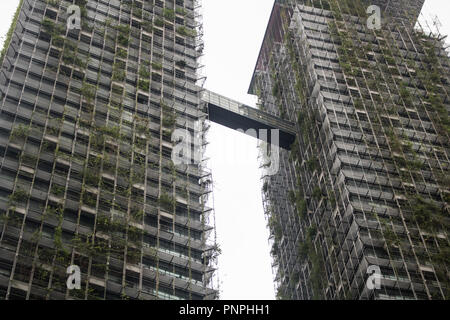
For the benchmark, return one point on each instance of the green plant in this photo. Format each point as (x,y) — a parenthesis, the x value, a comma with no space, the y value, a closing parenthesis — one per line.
(301,207)
(312,164)
(317,193)
(57,237)
(20,132)
(118,75)
(91,177)
(122,53)
(140,143)
(53,3)
(123,40)
(303,250)
(88,91)
(137,214)
(53,211)
(48,25)
(69,56)
(275,226)
(167,202)
(113,131)
(58,190)
(58,41)
(157,66)
(90,199)
(144,73)
(134,234)
(357,102)
(169,14)
(147,26)
(181,11)
(137,12)
(144,85)
(424,212)
(169,120)
(116,89)
(276,90)
(29,159)
(18,196)
(186,32)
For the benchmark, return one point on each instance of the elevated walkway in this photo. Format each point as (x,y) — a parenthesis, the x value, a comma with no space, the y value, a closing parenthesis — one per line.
(235,115)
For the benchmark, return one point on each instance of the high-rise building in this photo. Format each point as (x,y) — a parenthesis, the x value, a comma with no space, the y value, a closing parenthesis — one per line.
(86,176)
(86,171)
(366,186)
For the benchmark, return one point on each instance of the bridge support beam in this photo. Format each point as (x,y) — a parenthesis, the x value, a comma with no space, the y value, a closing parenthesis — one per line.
(235,115)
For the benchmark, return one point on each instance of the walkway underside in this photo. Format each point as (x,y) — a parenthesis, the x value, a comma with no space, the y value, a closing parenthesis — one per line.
(235,115)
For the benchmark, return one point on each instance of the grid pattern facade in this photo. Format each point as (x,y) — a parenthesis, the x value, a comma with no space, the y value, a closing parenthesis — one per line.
(85,153)
(367,181)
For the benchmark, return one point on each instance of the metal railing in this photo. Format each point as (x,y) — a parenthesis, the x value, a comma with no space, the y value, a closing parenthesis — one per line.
(247,111)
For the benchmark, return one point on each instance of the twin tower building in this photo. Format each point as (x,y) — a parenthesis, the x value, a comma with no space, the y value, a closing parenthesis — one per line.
(358,207)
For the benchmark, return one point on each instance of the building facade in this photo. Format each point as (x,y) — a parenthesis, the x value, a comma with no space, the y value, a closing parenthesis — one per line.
(366,185)
(87,179)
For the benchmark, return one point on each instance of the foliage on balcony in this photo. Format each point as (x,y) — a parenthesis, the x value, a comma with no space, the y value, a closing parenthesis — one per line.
(147,26)
(18,196)
(275,226)
(144,72)
(137,12)
(20,132)
(313,164)
(317,193)
(157,66)
(135,234)
(113,131)
(169,14)
(88,91)
(58,190)
(29,159)
(57,237)
(144,85)
(91,177)
(90,199)
(121,53)
(167,202)
(137,213)
(124,35)
(426,212)
(70,57)
(306,251)
(53,211)
(159,23)
(119,73)
(169,119)
(181,11)
(182,30)
(389,234)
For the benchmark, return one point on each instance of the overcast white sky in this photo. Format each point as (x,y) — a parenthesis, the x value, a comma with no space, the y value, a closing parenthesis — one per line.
(234,30)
